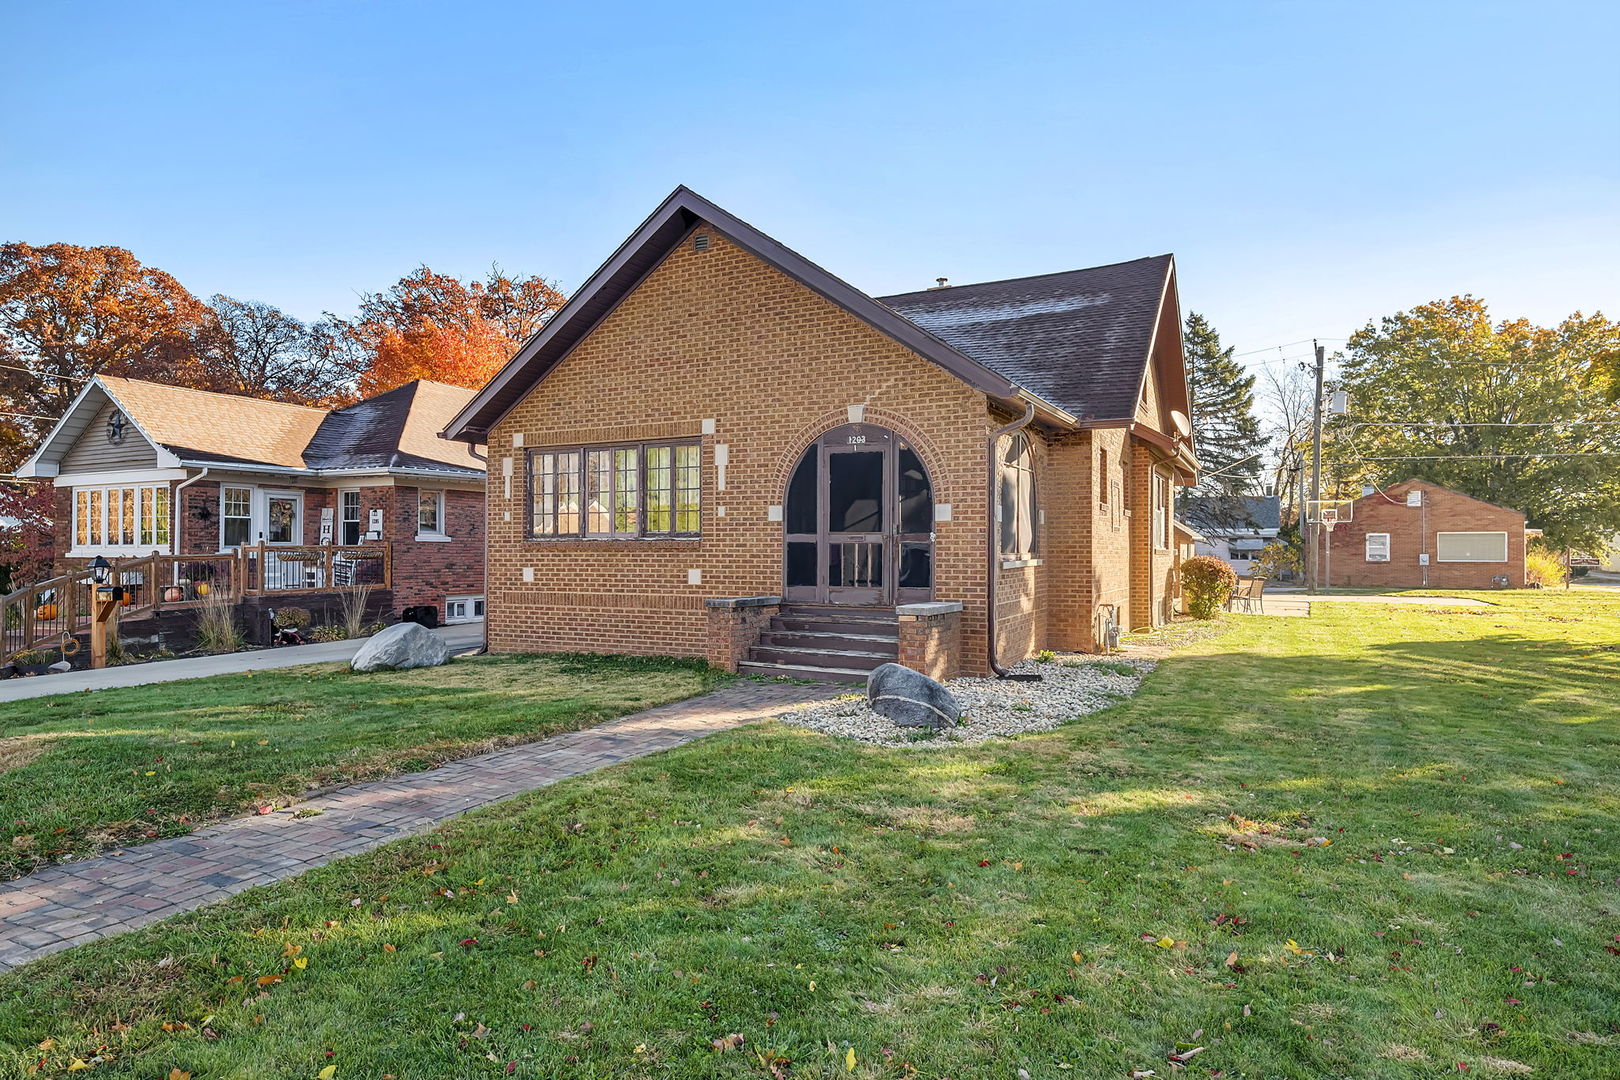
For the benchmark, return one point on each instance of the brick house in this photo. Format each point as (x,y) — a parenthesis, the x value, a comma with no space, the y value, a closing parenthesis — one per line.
(143,468)
(717,448)
(1420,535)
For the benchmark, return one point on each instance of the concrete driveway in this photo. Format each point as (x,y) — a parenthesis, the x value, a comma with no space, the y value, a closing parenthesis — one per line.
(463,638)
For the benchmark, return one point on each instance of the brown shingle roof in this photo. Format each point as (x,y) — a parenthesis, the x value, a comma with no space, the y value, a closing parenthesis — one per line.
(1080,339)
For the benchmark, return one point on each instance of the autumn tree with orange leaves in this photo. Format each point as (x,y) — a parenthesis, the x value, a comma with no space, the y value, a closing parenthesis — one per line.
(69,312)
(435,326)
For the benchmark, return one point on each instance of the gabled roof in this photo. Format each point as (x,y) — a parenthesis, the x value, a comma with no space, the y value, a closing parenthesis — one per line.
(1080,339)
(1049,336)
(201,426)
(392,431)
(1221,515)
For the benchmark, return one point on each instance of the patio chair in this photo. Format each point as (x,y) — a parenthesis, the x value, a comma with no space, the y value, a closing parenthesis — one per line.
(1249,596)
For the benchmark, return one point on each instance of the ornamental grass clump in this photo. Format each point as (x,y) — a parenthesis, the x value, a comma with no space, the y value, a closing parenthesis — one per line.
(1543,567)
(1208,583)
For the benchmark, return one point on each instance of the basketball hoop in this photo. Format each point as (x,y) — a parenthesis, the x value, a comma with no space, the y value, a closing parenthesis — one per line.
(1329,512)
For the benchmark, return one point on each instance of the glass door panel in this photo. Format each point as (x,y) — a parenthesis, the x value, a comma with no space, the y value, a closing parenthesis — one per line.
(857,522)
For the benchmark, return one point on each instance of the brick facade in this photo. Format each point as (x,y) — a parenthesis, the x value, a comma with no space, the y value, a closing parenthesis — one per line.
(425,572)
(1411,531)
(719,347)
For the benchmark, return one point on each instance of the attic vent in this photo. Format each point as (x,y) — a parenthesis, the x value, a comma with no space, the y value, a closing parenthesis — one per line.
(700,242)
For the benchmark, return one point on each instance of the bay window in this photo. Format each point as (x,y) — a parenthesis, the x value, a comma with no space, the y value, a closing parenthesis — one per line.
(641,490)
(134,518)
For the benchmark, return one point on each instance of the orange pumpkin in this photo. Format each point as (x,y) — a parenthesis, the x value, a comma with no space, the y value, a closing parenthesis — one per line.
(45,612)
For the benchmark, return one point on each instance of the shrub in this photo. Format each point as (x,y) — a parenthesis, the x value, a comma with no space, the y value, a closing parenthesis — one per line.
(292,618)
(327,633)
(1045,656)
(1277,561)
(1543,567)
(1208,583)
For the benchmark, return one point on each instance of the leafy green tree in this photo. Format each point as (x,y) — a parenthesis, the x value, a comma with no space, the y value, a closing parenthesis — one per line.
(1226,433)
(1506,412)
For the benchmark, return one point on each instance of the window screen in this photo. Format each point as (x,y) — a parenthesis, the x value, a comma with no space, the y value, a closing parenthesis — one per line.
(1378,547)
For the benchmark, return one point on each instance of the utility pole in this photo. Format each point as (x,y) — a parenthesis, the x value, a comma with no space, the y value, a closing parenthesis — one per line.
(1313,559)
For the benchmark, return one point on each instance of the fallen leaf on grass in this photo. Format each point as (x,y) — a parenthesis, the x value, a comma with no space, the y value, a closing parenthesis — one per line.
(326,1073)
(849,1060)
(179,1074)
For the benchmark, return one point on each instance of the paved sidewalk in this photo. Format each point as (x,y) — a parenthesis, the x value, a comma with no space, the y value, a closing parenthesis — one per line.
(78,902)
(462,637)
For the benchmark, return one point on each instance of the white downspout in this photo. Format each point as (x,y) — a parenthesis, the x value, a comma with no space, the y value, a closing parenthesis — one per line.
(175,543)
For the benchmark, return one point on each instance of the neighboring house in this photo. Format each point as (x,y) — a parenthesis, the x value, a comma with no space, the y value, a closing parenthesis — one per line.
(143,468)
(718,448)
(1235,527)
(1416,534)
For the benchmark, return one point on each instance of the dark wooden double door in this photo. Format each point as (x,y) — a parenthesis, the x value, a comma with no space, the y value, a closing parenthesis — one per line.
(858,521)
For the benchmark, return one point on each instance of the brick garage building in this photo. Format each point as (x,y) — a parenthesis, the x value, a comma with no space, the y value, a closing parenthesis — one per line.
(719,449)
(1420,535)
(142,467)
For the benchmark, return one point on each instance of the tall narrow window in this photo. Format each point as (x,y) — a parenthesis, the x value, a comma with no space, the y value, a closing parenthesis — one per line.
(1016,500)
(430,513)
(626,491)
(1103,478)
(1161,511)
(236,516)
(349,518)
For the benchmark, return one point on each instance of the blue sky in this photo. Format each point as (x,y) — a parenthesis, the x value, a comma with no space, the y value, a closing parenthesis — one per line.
(1312,165)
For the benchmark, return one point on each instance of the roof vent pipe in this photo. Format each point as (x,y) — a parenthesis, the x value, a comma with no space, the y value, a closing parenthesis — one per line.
(943,284)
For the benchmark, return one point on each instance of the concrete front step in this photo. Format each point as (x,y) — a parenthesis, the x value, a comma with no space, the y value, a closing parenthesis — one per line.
(803,671)
(888,644)
(832,658)
(817,625)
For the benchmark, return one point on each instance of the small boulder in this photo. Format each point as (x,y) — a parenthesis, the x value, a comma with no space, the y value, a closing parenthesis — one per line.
(403,645)
(910,698)
(60,667)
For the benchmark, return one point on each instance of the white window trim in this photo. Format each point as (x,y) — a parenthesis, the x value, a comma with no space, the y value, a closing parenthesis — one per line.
(359,522)
(469,601)
(92,548)
(1367,555)
(435,536)
(261,511)
(252,518)
(1506,547)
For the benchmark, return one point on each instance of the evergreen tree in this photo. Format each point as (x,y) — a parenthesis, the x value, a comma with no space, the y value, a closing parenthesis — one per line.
(1226,433)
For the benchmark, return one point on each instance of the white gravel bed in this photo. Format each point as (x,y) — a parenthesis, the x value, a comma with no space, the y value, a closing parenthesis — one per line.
(991,708)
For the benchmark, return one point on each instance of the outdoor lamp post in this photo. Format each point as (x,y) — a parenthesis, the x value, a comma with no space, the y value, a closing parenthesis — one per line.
(104,601)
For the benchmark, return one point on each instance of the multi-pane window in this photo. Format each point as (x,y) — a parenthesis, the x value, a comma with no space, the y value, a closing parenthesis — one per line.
(643,490)
(430,513)
(349,517)
(235,516)
(1015,507)
(1378,547)
(121,517)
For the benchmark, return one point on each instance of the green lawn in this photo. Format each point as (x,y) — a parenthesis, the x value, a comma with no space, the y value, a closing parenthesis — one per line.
(86,772)
(1075,904)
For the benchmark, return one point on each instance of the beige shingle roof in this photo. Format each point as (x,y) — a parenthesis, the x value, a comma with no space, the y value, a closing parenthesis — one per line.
(218,425)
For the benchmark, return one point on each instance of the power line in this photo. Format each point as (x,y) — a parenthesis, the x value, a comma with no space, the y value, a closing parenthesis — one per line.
(1493,457)
(1480,423)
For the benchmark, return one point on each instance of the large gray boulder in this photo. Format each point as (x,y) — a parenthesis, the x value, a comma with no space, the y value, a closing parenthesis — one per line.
(910,698)
(403,645)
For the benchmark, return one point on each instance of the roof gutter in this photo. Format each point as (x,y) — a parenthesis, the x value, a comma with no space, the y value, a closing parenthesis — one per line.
(991,548)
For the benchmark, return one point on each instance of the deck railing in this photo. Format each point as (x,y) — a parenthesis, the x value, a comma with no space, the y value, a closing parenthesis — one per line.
(43,614)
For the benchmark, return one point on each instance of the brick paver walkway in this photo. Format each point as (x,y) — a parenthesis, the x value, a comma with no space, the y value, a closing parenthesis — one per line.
(77,902)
